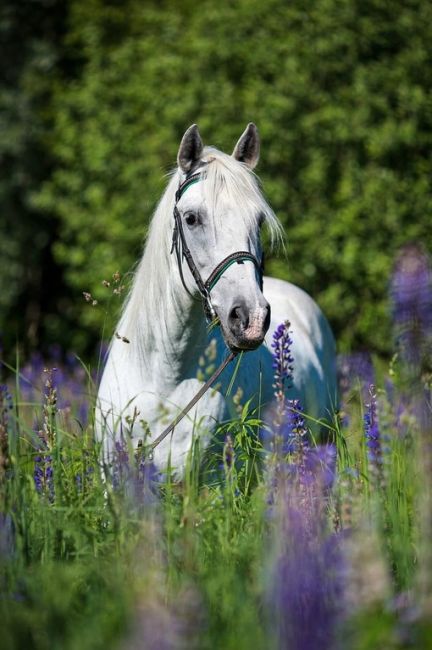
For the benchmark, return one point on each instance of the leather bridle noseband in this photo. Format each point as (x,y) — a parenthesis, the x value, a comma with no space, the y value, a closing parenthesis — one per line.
(182,251)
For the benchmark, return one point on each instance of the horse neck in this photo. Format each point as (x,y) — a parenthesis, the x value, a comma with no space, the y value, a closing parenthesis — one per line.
(167,326)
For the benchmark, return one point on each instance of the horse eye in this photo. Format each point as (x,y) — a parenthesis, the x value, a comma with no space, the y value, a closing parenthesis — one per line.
(191,219)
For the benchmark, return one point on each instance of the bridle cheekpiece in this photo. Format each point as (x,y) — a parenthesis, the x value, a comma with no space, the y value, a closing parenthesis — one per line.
(182,251)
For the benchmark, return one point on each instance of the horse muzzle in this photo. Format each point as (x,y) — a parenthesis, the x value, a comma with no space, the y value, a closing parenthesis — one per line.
(246,328)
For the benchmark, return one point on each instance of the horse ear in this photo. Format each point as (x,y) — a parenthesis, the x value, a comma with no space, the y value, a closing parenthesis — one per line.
(247,149)
(190,149)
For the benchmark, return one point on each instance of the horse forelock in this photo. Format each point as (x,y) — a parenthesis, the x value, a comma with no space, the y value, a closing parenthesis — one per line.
(233,183)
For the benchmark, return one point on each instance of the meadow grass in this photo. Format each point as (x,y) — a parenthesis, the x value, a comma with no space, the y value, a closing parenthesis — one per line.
(270,540)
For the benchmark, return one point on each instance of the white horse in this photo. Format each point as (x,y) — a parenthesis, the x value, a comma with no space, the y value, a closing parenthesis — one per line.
(214,208)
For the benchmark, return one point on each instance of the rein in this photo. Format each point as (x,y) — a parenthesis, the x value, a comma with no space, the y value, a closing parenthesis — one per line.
(192,403)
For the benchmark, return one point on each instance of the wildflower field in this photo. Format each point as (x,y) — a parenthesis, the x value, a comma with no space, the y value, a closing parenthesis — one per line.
(272,540)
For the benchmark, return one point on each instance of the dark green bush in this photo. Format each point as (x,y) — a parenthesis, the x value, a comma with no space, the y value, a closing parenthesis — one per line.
(341,95)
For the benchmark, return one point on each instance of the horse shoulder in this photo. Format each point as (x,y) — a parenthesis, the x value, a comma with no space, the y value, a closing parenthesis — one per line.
(313,346)
(289,301)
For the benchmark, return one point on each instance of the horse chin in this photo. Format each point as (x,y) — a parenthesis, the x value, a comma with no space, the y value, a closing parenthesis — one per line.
(241,344)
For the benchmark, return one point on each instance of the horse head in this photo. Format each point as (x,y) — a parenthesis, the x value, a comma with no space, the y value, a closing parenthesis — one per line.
(218,212)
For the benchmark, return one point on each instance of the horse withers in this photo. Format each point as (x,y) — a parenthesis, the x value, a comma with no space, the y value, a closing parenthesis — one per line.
(203,251)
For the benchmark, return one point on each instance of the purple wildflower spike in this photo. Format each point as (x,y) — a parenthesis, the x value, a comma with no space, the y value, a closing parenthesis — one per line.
(283,376)
(306,592)
(133,475)
(7,536)
(355,371)
(306,584)
(320,462)
(411,293)
(308,589)
(295,432)
(5,407)
(145,479)
(120,467)
(282,359)
(43,473)
(372,435)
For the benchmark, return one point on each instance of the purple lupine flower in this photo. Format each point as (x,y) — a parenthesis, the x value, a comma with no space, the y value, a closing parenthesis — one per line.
(5,407)
(6,400)
(283,378)
(145,479)
(43,473)
(7,536)
(68,379)
(320,462)
(133,475)
(162,625)
(294,431)
(372,435)
(155,626)
(30,375)
(306,590)
(120,465)
(282,359)
(411,294)
(355,371)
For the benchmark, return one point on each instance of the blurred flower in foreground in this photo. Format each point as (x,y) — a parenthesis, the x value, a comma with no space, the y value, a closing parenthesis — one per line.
(70,381)
(5,407)
(133,475)
(7,537)
(373,438)
(355,374)
(366,578)
(411,294)
(43,473)
(306,591)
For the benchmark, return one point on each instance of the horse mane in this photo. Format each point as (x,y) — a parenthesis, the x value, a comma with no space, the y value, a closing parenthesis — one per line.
(146,308)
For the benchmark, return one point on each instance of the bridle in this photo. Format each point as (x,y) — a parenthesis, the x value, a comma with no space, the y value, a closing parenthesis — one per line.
(182,251)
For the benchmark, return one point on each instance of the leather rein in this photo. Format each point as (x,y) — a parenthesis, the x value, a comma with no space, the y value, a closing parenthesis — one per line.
(179,245)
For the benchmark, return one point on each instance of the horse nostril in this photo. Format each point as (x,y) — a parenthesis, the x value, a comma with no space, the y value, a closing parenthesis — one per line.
(239,317)
(235,313)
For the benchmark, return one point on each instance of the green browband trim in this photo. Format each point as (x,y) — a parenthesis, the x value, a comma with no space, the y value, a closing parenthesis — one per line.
(186,185)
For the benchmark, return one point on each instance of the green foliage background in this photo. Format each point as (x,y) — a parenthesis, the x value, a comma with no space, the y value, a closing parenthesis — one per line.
(341,93)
